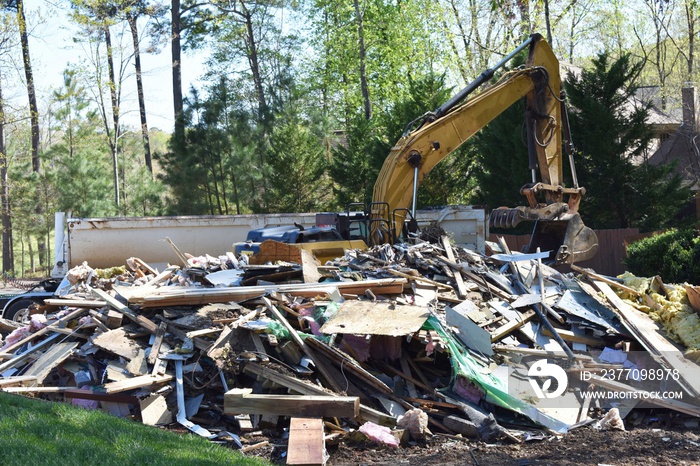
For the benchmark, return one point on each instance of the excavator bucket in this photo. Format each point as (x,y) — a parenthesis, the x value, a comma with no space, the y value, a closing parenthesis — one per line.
(568,239)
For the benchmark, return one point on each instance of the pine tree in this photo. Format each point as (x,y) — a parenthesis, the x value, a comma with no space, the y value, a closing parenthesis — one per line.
(612,137)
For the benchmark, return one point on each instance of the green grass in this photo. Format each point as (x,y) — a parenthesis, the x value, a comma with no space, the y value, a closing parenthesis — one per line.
(36,432)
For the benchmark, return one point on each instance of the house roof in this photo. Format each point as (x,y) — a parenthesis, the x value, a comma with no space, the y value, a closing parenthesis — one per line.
(683,147)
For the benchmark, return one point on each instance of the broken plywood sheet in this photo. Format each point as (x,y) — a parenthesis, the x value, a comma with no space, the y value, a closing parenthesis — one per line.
(154,410)
(116,342)
(376,318)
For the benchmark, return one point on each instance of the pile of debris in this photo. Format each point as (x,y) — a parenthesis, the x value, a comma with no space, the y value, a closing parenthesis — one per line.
(395,345)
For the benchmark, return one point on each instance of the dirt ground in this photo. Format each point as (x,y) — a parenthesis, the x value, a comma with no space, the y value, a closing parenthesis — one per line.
(653,444)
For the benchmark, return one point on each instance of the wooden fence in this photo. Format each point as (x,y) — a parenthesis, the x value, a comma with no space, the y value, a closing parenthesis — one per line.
(612,249)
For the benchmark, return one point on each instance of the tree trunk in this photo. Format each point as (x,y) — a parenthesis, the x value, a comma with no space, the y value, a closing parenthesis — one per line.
(114,140)
(8,260)
(139,90)
(690,17)
(33,113)
(254,62)
(363,58)
(175,50)
(31,93)
(548,23)
(525,23)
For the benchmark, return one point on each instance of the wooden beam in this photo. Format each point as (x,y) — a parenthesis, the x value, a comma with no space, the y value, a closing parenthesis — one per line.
(568,335)
(459,281)
(512,325)
(244,401)
(136,382)
(164,296)
(603,279)
(306,443)
(118,306)
(75,302)
(305,388)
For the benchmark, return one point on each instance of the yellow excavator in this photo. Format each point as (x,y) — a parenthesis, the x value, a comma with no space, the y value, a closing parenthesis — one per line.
(434,136)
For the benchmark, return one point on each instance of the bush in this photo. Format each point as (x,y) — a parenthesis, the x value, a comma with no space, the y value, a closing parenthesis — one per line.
(673,255)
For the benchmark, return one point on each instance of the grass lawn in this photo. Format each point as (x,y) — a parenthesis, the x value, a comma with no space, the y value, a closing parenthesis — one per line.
(36,432)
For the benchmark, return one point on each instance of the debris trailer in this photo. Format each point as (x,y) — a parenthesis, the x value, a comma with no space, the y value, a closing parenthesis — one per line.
(104,242)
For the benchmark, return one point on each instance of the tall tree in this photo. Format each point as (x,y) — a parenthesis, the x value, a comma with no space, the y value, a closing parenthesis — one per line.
(133,10)
(7,252)
(18,6)
(190,17)
(96,18)
(612,139)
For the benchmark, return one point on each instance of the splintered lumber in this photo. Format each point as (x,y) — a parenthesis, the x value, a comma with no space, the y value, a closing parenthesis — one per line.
(419,279)
(82,394)
(478,280)
(512,325)
(568,335)
(306,444)
(603,279)
(136,318)
(459,281)
(175,296)
(9,325)
(304,388)
(19,379)
(50,359)
(273,251)
(155,349)
(244,401)
(116,342)
(349,364)
(136,382)
(320,365)
(648,333)
(27,354)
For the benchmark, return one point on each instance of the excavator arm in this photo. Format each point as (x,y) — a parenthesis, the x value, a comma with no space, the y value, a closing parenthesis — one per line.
(437,134)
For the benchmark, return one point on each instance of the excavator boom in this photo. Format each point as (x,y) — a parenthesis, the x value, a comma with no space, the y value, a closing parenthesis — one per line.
(438,134)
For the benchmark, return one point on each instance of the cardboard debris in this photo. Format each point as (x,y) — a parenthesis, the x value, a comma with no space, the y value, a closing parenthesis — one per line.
(431,338)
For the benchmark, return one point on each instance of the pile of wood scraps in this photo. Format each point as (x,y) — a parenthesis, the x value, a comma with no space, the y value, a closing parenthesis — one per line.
(394,344)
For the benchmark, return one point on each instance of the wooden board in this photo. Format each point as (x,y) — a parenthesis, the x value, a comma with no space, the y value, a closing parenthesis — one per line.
(244,401)
(136,382)
(305,388)
(306,445)
(376,318)
(147,297)
(54,356)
